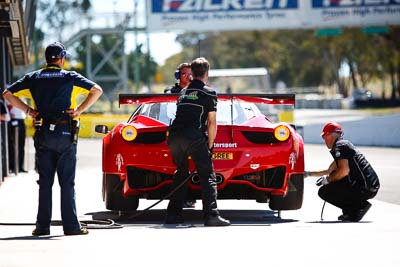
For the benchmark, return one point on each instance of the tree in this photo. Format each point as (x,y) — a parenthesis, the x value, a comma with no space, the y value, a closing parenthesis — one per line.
(58,14)
(299,57)
(392,39)
(106,43)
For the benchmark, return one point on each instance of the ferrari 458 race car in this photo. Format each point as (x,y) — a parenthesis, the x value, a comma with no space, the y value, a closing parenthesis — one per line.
(253,158)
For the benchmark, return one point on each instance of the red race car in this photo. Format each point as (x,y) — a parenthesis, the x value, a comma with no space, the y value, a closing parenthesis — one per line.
(253,157)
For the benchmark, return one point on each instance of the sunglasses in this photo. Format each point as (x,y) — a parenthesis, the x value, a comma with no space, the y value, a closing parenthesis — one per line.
(325,134)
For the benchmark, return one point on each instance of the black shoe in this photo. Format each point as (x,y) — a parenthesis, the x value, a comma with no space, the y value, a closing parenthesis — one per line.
(174,219)
(344,217)
(39,232)
(360,213)
(216,221)
(82,231)
(23,170)
(189,204)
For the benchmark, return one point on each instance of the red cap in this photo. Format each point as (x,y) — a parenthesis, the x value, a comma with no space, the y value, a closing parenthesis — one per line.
(332,127)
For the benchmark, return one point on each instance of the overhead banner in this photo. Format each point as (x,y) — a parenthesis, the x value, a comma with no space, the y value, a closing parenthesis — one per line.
(226,15)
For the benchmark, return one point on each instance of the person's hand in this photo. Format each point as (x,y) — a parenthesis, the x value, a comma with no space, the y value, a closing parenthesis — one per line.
(73,113)
(32,112)
(324,180)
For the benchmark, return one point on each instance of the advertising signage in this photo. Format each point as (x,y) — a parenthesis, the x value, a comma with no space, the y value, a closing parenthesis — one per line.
(225,15)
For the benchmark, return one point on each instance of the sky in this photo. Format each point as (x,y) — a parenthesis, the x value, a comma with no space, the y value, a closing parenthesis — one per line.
(162,44)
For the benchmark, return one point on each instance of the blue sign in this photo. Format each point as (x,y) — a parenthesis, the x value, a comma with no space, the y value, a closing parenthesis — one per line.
(175,6)
(221,15)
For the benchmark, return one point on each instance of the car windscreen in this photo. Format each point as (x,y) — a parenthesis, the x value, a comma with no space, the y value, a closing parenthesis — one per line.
(226,113)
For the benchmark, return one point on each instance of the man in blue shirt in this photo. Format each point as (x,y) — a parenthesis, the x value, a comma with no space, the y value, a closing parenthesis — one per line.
(54,92)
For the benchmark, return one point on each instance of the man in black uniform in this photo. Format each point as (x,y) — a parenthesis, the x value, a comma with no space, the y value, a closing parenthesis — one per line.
(195,115)
(350,180)
(54,92)
(183,76)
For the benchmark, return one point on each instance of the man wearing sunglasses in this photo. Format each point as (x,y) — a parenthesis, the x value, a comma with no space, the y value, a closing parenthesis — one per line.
(183,76)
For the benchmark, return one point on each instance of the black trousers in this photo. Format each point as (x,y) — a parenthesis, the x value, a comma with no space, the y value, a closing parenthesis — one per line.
(191,142)
(344,196)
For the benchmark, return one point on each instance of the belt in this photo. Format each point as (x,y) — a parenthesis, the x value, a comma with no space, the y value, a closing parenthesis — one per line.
(56,122)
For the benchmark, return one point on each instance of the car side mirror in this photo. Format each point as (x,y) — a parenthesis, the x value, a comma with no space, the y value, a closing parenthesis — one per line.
(101,129)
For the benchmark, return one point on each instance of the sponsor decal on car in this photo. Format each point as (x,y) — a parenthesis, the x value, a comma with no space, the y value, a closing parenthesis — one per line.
(254,166)
(292,159)
(225,145)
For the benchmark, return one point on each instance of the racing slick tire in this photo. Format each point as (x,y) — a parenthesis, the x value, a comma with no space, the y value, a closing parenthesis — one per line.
(112,195)
(294,197)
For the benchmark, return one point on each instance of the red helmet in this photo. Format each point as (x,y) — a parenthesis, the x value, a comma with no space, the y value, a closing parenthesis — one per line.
(332,127)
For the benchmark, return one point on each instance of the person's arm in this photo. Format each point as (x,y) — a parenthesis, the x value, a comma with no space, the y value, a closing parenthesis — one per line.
(18,103)
(94,94)
(340,172)
(331,168)
(335,172)
(211,128)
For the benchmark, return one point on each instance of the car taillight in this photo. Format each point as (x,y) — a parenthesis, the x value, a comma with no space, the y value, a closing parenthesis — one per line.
(282,133)
(129,133)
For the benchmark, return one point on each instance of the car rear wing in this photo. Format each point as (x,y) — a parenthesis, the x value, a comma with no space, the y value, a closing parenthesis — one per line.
(137,99)
(272,99)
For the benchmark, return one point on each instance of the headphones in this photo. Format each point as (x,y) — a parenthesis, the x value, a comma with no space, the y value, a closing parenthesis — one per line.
(63,52)
(177,74)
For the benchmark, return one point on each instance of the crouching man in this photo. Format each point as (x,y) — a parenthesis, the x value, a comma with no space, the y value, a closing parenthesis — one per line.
(350,180)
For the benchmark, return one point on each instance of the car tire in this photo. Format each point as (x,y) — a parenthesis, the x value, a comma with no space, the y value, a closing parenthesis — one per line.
(113,197)
(294,197)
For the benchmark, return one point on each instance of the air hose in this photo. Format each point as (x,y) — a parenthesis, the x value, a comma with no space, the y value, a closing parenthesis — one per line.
(89,224)
(322,211)
(162,199)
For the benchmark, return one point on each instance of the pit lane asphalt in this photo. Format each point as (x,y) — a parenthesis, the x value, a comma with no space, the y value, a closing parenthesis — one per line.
(256,238)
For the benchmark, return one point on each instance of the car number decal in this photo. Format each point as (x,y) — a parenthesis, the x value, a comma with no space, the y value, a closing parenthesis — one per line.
(223,156)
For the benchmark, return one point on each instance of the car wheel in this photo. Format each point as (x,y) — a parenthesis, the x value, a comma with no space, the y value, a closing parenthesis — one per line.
(113,197)
(293,199)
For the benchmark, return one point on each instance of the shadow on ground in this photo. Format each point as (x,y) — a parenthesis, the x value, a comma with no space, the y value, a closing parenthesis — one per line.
(194,217)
